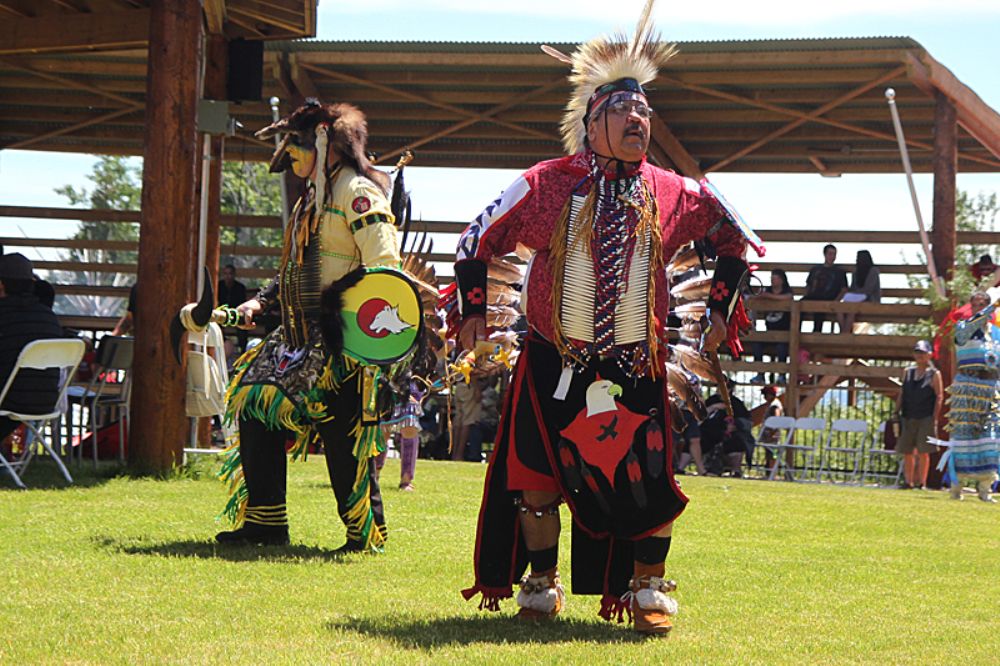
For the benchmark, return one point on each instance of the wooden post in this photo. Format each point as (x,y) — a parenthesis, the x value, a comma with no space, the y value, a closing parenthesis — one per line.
(943,234)
(167,231)
(792,392)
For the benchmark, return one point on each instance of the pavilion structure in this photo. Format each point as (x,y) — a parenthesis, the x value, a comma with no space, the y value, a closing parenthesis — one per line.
(771,106)
(183,45)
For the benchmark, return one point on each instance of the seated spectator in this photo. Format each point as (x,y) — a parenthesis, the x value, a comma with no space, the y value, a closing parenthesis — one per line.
(465,422)
(865,288)
(690,445)
(24,319)
(232,293)
(45,292)
(985,268)
(126,325)
(825,282)
(774,321)
(725,440)
(771,406)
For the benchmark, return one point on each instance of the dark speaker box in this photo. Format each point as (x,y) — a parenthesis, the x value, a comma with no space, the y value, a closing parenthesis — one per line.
(245,75)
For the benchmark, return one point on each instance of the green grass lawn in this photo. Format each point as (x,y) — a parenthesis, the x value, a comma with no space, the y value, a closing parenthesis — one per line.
(121,570)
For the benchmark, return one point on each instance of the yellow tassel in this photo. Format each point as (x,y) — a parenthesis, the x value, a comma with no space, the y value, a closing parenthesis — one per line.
(650,219)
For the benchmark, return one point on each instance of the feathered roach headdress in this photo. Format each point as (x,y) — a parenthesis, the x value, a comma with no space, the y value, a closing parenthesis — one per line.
(340,126)
(606,65)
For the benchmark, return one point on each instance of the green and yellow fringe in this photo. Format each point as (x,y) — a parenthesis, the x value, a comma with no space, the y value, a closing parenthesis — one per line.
(269,405)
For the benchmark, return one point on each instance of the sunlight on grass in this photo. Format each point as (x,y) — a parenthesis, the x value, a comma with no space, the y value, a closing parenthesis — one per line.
(122,570)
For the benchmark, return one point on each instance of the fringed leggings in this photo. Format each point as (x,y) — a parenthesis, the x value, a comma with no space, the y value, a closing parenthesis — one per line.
(265,464)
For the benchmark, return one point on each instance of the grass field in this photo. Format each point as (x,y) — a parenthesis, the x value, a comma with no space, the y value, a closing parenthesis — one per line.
(121,570)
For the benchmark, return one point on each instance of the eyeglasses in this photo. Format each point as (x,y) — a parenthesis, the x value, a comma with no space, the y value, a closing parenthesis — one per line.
(626,107)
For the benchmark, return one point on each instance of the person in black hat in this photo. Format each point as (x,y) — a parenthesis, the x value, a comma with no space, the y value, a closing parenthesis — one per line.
(23,319)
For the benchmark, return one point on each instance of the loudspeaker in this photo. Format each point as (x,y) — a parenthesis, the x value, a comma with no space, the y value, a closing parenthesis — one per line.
(245,74)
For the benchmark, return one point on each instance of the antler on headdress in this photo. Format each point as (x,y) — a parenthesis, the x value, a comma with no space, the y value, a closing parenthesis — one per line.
(608,59)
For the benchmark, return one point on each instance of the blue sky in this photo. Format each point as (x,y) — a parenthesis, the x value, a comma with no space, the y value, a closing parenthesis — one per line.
(961,34)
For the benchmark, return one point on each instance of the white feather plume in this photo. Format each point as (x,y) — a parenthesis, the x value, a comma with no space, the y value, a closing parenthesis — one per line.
(608,59)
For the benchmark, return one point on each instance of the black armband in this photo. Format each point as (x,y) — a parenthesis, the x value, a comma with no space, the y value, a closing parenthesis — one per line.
(727,285)
(368,220)
(470,274)
(268,294)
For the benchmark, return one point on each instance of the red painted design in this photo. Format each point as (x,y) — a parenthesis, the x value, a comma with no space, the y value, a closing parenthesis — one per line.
(475,296)
(566,456)
(720,291)
(633,470)
(366,315)
(593,438)
(654,436)
(361,205)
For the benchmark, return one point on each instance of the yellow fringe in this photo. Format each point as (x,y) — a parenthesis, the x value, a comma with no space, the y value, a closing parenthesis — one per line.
(650,219)
(355,517)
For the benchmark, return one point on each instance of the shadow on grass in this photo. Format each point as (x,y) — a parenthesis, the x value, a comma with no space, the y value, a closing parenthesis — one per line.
(482,628)
(42,474)
(210,550)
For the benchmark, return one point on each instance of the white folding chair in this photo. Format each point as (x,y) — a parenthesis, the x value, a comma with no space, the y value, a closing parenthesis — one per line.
(56,354)
(772,441)
(880,450)
(114,359)
(846,440)
(803,426)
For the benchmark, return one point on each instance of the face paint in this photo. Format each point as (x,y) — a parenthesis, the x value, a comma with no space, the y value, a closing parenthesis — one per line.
(303,160)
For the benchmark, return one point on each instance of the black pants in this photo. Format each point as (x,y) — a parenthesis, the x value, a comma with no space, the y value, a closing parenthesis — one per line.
(265,462)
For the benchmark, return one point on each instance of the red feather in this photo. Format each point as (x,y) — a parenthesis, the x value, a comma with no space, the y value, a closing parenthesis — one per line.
(654,436)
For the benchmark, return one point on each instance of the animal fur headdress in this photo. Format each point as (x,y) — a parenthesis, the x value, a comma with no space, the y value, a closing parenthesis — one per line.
(627,63)
(339,126)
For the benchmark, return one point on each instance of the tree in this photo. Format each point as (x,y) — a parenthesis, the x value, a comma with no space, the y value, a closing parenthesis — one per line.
(972,213)
(249,189)
(117,186)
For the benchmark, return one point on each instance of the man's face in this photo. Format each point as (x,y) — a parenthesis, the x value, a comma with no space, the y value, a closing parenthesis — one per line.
(303,159)
(227,275)
(830,254)
(979,302)
(621,129)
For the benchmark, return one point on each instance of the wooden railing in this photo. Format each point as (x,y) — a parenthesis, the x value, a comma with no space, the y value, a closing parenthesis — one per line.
(876,357)
(446,233)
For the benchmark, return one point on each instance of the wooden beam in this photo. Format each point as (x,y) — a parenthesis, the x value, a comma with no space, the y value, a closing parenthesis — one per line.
(301,79)
(794,113)
(215,16)
(973,115)
(73,6)
(413,97)
(69,129)
(879,80)
(54,33)
(71,83)
(166,240)
(675,150)
(262,17)
(945,168)
(246,25)
(514,100)
(12,10)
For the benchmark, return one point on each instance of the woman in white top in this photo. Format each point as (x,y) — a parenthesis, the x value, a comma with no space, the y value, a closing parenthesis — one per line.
(865,287)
